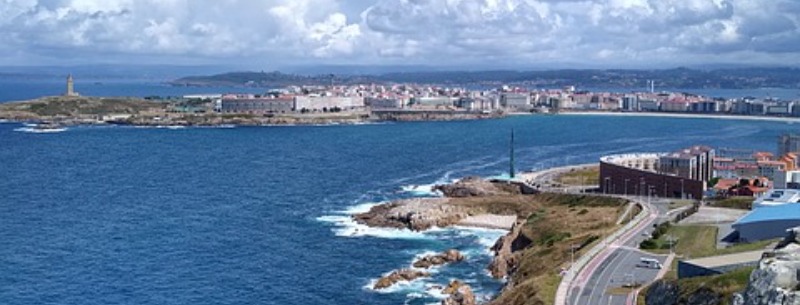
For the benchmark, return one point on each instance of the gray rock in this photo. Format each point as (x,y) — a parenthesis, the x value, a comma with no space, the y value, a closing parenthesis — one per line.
(777,279)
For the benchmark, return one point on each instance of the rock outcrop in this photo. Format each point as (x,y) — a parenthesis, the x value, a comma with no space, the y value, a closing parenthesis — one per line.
(460,294)
(777,279)
(417,214)
(662,293)
(398,276)
(476,187)
(668,292)
(504,261)
(449,256)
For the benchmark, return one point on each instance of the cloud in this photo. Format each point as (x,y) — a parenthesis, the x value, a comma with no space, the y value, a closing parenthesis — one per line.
(432,32)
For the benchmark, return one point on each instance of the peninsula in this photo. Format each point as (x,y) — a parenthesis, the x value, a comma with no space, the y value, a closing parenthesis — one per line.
(531,257)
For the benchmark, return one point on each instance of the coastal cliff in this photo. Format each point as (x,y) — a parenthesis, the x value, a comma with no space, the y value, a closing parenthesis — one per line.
(542,228)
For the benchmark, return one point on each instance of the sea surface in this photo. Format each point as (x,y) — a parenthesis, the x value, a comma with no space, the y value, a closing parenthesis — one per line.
(259,215)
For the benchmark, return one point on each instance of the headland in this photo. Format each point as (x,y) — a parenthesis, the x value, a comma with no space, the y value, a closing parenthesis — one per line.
(80,110)
(543,229)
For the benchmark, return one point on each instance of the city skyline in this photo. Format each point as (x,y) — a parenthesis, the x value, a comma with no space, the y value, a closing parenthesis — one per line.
(475,34)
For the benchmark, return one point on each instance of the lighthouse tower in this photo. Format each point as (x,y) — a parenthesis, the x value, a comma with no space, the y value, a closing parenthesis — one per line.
(70,87)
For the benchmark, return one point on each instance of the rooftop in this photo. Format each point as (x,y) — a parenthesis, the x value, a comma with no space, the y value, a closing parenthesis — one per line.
(727,260)
(771,213)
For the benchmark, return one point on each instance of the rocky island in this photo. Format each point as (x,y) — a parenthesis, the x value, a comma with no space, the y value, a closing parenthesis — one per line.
(542,226)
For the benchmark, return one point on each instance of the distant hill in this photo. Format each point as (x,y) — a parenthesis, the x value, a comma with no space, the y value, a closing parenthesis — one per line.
(733,78)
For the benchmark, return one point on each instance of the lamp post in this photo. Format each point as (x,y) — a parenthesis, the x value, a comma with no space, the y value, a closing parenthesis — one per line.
(572,258)
(641,186)
(626,187)
(671,240)
(682,196)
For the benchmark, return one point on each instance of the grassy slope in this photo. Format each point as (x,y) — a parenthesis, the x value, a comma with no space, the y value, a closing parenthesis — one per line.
(725,285)
(553,222)
(589,176)
(742,203)
(700,241)
(74,106)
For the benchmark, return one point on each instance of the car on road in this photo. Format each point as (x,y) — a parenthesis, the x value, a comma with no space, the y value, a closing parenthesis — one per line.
(649,263)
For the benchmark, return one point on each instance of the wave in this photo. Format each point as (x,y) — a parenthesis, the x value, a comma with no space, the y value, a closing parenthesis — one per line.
(422,190)
(345,226)
(39,130)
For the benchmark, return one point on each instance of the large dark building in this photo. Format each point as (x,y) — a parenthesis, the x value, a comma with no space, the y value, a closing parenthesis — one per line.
(643,174)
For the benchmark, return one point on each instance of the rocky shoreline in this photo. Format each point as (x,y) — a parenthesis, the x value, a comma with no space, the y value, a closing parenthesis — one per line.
(541,226)
(75,111)
(420,214)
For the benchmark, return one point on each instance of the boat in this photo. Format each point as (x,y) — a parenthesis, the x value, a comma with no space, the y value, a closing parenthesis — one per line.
(48,127)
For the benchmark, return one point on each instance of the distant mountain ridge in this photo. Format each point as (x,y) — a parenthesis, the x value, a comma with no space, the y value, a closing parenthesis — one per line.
(734,78)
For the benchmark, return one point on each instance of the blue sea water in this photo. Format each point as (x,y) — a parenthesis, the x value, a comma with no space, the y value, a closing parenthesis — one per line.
(13,89)
(258,215)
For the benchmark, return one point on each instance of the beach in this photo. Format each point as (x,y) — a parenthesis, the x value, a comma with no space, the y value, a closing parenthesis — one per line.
(685,116)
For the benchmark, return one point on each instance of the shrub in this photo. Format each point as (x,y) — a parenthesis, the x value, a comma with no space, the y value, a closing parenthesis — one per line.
(648,244)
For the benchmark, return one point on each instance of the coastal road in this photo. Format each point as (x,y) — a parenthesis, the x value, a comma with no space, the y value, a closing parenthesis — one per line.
(616,266)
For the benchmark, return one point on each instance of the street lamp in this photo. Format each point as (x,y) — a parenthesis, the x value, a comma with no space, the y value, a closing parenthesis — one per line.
(641,186)
(682,190)
(626,187)
(671,240)
(572,261)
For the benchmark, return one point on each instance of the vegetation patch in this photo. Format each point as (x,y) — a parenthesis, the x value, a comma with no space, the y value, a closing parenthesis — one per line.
(715,289)
(557,231)
(695,241)
(577,177)
(739,202)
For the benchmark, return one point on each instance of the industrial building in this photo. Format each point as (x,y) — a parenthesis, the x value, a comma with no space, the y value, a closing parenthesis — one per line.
(768,222)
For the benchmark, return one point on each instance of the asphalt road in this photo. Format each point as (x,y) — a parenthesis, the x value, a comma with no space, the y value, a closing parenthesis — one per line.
(618,268)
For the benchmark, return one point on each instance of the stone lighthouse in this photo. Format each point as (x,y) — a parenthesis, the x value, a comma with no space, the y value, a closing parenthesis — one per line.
(70,87)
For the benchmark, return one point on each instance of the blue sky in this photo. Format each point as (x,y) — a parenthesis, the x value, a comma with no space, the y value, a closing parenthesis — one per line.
(468,33)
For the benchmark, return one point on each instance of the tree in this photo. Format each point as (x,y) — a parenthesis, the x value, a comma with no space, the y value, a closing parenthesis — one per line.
(713,181)
(744,182)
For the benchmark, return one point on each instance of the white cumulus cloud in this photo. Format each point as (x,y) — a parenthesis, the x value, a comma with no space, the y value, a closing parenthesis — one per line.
(432,32)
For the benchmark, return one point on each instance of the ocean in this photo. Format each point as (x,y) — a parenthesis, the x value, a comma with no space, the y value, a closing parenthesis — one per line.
(259,215)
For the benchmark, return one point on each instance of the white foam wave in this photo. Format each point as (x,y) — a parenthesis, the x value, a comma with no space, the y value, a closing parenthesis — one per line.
(39,130)
(417,285)
(421,190)
(360,208)
(345,226)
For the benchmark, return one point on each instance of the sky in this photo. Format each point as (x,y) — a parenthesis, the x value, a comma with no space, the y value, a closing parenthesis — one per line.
(473,34)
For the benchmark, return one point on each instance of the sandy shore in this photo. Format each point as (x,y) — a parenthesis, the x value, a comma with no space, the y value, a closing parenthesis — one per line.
(687,116)
(489,221)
